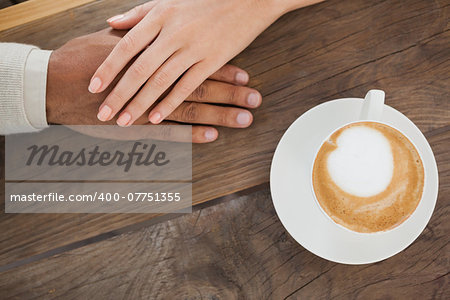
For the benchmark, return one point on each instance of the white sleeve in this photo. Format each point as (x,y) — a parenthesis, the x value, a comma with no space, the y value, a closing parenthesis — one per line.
(23,84)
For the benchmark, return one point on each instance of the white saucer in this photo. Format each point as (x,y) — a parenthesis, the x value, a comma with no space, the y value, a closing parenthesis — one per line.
(292,195)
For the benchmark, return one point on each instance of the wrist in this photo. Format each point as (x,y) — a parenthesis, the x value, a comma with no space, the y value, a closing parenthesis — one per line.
(281,7)
(52,88)
(266,11)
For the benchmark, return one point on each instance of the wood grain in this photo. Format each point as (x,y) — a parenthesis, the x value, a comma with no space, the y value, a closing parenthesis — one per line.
(33,10)
(331,50)
(238,249)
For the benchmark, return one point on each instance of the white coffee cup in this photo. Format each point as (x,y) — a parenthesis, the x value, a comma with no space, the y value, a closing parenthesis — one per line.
(372,111)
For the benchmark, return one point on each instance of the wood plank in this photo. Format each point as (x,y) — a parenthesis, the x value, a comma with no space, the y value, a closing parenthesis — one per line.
(335,49)
(238,250)
(33,10)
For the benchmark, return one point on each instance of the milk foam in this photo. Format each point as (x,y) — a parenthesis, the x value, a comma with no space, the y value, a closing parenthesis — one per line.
(362,164)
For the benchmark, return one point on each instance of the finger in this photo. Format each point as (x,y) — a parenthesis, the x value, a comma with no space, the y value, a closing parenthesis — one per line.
(182,133)
(200,134)
(130,45)
(204,134)
(145,130)
(136,75)
(185,86)
(200,113)
(156,85)
(231,74)
(131,17)
(167,131)
(212,91)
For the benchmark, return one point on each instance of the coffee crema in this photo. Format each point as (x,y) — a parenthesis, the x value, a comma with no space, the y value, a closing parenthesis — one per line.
(368,177)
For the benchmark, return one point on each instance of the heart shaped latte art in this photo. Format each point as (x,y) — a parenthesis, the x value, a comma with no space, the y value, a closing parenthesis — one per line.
(362,163)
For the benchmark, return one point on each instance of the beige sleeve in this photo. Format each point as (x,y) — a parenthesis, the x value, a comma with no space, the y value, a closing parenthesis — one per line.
(23,82)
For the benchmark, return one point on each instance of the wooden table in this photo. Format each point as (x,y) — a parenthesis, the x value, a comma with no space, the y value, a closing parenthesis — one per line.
(235,246)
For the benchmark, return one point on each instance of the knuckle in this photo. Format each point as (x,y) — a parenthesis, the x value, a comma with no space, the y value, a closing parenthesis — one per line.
(176,115)
(139,10)
(148,5)
(200,93)
(164,131)
(185,89)
(190,112)
(127,43)
(233,94)
(224,117)
(116,99)
(168,9)
(161,79)
(226,71)
(139,69)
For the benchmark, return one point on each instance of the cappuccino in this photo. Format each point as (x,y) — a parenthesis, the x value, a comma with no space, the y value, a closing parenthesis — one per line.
(368,177)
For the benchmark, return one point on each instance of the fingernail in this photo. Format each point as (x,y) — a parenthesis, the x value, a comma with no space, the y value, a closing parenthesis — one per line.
(115,18)
(155,118)
(242,77)
(95,85)
(253,99)
(243,118)
(104,113)
(123,120)
(210,134)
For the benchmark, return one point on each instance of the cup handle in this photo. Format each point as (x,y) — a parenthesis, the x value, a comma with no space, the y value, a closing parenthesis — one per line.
(373,105)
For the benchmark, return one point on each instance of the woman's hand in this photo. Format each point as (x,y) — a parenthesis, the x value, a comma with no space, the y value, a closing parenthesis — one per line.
(191,39)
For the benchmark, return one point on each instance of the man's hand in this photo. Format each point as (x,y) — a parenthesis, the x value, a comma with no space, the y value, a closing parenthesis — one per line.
(70,103)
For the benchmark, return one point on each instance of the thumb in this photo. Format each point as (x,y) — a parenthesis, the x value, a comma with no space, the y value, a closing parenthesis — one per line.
(131,17)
